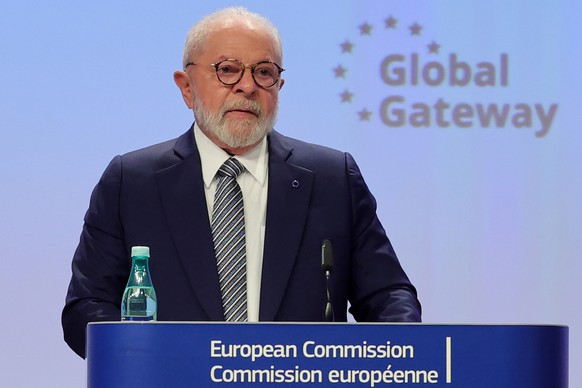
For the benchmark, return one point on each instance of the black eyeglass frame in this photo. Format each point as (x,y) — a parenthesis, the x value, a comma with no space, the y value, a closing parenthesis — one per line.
(252,67)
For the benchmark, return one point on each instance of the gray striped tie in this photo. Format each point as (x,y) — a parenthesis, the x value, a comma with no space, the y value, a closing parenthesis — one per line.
(228,233)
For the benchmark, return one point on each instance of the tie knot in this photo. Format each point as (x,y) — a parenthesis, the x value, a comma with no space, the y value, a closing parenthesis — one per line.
(231,168)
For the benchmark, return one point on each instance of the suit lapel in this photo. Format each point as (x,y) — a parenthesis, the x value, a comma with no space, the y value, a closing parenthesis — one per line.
(288,204)
(184,203)
(187,216)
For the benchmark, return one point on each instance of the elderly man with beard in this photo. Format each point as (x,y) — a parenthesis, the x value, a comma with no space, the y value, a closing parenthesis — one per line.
(295,195)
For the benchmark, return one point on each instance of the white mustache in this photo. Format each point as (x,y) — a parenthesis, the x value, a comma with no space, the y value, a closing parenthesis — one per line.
(251,106)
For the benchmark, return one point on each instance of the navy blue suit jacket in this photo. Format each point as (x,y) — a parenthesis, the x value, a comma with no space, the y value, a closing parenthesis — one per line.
(155,197)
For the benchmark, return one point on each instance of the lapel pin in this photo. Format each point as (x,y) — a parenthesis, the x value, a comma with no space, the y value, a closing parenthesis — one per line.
(295,183)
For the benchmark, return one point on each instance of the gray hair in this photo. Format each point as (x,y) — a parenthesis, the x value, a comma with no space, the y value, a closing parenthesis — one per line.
(226,18)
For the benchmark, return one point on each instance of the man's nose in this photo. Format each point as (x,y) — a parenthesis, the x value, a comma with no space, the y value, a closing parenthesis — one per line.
(246,84)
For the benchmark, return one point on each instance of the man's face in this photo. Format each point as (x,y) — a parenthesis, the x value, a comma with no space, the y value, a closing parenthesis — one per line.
(239,115)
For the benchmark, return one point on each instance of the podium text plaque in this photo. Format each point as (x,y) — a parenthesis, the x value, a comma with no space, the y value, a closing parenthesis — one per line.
(184,354)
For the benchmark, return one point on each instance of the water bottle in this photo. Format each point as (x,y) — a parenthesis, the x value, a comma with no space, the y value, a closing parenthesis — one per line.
(139,301)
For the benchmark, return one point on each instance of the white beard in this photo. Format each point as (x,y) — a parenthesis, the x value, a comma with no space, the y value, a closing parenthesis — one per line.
(235,133)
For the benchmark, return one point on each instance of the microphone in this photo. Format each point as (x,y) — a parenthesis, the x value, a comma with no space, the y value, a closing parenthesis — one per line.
(327,267)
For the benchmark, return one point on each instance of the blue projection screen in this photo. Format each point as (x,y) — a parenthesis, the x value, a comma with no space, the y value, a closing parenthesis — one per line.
(464,117)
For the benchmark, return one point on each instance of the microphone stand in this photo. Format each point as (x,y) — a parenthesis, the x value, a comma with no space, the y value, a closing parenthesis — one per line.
(327,267)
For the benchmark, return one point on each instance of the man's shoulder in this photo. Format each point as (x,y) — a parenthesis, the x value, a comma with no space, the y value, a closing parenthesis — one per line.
(160,155)
(303,150)
(151,151)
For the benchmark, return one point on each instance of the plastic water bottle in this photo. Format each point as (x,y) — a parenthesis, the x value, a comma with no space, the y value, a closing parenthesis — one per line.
(139,301)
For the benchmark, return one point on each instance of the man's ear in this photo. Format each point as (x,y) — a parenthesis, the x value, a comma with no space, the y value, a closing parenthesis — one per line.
(182,80)
(281,82)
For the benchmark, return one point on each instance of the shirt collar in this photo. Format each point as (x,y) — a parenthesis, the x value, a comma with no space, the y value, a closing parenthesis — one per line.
(212,157)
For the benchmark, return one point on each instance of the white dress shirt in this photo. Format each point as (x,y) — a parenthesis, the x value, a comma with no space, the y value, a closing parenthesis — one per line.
(253,183)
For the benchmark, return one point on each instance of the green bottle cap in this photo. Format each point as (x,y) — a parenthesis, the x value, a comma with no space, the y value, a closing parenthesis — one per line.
(140,251)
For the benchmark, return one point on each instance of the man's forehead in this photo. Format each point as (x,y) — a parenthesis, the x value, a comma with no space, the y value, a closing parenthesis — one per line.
(221,41)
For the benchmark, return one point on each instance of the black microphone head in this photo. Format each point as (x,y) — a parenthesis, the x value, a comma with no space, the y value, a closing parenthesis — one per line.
(326,256)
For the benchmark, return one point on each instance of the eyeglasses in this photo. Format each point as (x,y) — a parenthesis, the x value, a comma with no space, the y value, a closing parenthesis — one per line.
(230,71)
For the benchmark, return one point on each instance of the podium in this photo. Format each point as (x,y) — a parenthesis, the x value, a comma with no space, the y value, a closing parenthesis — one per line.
(190,354)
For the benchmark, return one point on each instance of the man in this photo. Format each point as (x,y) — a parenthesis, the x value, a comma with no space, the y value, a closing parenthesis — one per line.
(295,195)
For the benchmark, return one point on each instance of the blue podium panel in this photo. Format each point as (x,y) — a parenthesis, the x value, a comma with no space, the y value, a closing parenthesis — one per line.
(164,354)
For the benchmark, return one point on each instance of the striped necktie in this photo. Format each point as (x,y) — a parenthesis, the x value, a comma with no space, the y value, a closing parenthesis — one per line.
(228,233)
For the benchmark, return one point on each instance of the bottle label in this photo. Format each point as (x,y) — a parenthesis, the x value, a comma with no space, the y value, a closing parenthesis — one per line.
(138,303)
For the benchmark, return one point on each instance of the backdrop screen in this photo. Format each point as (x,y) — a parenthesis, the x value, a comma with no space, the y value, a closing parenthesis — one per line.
(464,117)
